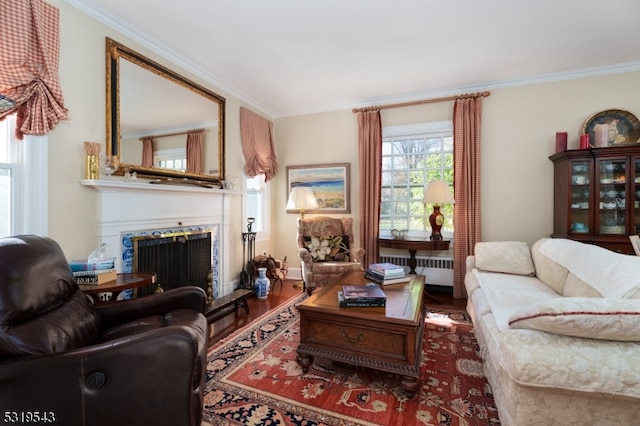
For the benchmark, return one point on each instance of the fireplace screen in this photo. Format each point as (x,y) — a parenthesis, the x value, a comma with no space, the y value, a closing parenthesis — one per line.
(179,259)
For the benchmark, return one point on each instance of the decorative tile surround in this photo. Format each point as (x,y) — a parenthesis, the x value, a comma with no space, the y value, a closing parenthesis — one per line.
(127,209)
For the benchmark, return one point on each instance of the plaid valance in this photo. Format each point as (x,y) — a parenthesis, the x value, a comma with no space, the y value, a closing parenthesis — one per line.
(29,52)
(257,145)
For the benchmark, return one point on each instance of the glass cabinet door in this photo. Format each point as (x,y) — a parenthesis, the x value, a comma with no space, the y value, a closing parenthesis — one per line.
(636,196)
(580,204)
(612,196)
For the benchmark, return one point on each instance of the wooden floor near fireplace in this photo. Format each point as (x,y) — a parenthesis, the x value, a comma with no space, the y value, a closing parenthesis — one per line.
(280,294)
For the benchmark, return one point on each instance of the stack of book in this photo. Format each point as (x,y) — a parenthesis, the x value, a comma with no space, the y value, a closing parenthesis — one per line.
(100,272)
(362,295)
(386,273)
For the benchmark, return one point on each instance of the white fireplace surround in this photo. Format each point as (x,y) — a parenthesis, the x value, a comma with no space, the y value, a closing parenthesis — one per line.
(125,207)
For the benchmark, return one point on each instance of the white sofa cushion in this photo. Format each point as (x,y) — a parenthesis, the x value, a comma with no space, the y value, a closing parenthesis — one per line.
(548,270)
(508,257)
(507,294)
(594,318)
(575,287)
(611,274)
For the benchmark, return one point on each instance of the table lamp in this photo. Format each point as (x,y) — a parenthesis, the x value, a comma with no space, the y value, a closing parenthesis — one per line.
(437,193)
(302,198)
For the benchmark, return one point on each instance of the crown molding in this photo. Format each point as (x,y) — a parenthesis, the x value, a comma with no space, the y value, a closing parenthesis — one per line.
(452,91)
(172,56)
(165,53)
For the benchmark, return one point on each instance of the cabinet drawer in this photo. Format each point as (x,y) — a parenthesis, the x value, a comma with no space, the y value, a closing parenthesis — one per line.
(361,340)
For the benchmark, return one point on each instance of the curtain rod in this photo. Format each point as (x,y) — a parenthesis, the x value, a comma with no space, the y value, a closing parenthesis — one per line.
(186,132)
(425,101)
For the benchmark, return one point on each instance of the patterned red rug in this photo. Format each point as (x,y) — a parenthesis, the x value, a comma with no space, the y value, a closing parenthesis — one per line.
(253,379)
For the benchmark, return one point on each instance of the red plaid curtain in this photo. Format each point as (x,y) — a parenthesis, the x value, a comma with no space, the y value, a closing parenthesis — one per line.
(370,162)
(147,152)
(257,145)
(29,51)
(194,151)
(467,116)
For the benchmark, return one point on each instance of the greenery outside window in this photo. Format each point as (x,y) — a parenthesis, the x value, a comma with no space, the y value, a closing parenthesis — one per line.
(412,156)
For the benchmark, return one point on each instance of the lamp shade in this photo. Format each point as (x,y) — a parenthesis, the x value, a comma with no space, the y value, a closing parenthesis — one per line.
(302,198)
(438,192)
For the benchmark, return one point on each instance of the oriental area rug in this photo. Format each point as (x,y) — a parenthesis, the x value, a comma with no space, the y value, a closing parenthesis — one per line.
(253,379)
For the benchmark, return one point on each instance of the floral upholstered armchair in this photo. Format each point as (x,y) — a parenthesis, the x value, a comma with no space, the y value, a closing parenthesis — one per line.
(327,249)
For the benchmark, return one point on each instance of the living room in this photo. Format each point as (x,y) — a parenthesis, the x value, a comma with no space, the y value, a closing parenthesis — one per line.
(518,135)
(521,118)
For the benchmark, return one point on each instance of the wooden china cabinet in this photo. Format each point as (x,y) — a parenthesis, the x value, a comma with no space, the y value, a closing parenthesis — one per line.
(597,196)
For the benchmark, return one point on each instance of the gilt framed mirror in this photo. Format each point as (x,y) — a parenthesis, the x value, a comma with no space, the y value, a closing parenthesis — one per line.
(146,102)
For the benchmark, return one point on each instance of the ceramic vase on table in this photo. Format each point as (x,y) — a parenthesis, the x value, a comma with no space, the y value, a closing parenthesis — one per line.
(262,284)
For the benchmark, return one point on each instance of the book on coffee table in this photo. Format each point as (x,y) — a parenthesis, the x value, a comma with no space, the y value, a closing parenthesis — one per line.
(369,291)
(395,279)
(386,269)
(360,303)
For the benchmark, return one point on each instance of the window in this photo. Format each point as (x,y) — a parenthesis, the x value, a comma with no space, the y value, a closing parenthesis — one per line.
(7,180)
(174,159)
(23,182)
(412,156)
(256,205)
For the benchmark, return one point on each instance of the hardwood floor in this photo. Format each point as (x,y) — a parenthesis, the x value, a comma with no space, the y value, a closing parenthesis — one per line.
(278,295)
(282,293)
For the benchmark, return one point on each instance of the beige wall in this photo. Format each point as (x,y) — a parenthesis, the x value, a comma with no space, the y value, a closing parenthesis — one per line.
(72,207)
(518,135)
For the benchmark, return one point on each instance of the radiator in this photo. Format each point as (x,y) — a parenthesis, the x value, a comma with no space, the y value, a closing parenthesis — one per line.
(437,270)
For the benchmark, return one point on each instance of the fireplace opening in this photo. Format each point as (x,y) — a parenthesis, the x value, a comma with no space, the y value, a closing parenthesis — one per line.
(179,259)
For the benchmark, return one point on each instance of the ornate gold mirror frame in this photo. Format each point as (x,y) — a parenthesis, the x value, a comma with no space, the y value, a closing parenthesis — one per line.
(146,99)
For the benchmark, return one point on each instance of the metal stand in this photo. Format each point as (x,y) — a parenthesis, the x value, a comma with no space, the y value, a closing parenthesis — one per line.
(248,248)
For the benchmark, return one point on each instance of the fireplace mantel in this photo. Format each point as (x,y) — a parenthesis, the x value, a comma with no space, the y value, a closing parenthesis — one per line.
(119,185)
(125,207)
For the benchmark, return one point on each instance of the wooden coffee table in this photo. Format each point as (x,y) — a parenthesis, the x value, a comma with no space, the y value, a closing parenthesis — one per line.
(387,339)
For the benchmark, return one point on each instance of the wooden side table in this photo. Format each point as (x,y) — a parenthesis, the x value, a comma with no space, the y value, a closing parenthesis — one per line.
(413,245)
(123,282)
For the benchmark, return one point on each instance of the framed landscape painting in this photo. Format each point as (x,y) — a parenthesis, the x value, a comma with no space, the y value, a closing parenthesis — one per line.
(329,183)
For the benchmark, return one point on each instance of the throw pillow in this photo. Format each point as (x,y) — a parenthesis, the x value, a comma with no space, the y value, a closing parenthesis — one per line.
(328,249)
(509,257)
(594,318)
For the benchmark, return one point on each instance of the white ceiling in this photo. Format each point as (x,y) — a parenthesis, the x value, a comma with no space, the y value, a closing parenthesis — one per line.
(291,57)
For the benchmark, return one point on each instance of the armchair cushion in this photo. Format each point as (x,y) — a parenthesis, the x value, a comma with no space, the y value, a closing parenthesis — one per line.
(42,310)
(328,249)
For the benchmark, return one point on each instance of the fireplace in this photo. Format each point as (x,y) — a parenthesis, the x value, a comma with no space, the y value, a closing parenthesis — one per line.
(179,258)
(129,210)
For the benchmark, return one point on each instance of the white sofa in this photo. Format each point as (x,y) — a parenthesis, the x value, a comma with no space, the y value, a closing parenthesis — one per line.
(559,331)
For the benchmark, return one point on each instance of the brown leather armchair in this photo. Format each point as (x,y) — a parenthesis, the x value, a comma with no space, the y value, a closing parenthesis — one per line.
(135,362)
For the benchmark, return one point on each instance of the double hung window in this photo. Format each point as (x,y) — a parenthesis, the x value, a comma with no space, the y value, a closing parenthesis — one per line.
(413,156)
(23,182)
(256,205)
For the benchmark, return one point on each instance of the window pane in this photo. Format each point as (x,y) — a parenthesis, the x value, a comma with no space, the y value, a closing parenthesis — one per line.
(409,163)
(5,202)
(255,201)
